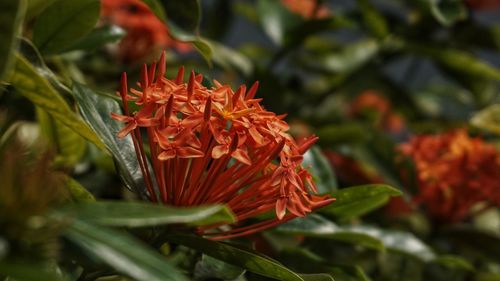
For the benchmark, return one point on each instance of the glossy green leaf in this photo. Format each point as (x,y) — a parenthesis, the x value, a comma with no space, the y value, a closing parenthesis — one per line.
(122,252)
(317,226)
(488,119)
(210,268)
(30,84)
(98,37)
(246,259)
(230,59)
(28,271)
(139,214)
(349,58)
(448,12)
(397,241)
(359,200)
(77,192)
(11,18)
(63,23)
(276,20)
(365,235)
(69,146)
(304,259)
(96,110)
(321,170)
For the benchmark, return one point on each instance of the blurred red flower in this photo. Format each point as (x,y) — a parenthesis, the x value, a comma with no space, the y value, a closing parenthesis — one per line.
(307,8)
(455,172)
(215,145)
(483,4)
(145,32)
(374,105)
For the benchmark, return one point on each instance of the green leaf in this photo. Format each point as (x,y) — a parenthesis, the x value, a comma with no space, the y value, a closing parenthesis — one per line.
(96,110)
(276,20)
(343,133)
(454,262)
(98,37)
(139,214)
(397,241)
(317,226)
(11,18)
(70,146)
(365,235)
(320,168)
(359,200)
(210,268)
(36,7)
(182,19)
(63,23)
(156,8)
(30,84)
(351,57)
(488,119)
(78,193)
(373,20)
(246,259)
(458,61)
(231,59)
(122,252)
(448,12)
(28,271)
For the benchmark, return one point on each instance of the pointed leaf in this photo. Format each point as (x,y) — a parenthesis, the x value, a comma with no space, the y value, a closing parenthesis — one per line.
(276,20)
(371,236)
(96,110)
(247,259)
(359,200)
(39,91)
(139,214)
(122,252)
(316,226)
(488,119)
(320,168)
(63,23)
(98,37)
(11,18)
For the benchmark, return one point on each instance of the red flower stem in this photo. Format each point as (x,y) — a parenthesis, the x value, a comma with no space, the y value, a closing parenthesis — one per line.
(145,168)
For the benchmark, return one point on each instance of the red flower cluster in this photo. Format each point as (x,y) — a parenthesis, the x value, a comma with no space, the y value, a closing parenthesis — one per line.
(307,8)
(215,145)
(455,172)
(372,101)
(145,32)
(483,4)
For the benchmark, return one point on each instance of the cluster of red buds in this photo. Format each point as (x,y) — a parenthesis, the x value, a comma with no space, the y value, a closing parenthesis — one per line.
(455,172)
(215,145)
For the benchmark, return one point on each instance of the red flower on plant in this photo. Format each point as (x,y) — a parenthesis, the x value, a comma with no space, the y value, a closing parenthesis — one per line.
(214,145)
(145,32)
(455,172)
(308,9)
(370,102)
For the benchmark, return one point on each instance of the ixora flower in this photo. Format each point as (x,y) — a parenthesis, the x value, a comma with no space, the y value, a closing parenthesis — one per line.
(455,172)
(308,9)
(369,102)
(145,32)
(215,145)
